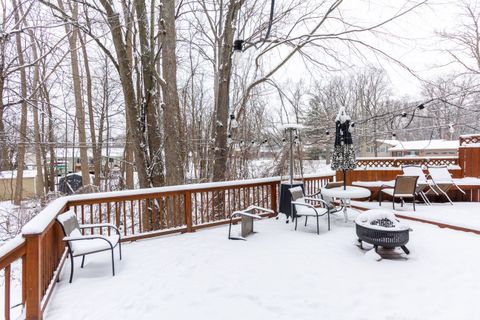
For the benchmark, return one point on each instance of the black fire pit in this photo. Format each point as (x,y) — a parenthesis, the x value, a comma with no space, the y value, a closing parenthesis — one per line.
(381,228)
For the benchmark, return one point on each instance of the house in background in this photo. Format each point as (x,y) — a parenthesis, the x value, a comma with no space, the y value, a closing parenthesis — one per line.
(423,148)
(383,147)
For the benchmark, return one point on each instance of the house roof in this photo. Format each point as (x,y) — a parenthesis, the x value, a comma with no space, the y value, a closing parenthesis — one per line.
(439,144)
(389,142)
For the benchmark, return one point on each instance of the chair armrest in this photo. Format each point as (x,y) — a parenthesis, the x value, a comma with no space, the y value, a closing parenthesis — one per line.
(303,204)
(87,237)
(259,209)
(385,186)
(246,214)
(314,194)
(100,225)
(317,199)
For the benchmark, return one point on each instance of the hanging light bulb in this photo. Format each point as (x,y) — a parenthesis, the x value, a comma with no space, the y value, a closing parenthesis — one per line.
(237,50)
(327,132)
(394,135)
(421,106)
(233,122)
(229,138)
(450,128)
(404,114)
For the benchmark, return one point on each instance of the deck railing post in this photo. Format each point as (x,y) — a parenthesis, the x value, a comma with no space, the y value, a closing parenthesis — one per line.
(188,210)
(33,278)
(273,196)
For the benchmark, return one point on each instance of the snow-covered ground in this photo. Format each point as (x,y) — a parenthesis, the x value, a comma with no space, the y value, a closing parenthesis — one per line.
(460,214)
(278,273)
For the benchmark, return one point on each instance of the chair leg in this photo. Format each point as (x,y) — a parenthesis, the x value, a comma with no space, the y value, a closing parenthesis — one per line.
(113,263)
(413,201)
(393,202)
(306,218)
(71,268)
(380,198)
(120,248)
(318,227)
(83,261)
(296,221)
(328,218)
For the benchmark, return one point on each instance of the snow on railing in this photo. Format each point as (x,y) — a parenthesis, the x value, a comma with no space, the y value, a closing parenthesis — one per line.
(12,251)
(396,162)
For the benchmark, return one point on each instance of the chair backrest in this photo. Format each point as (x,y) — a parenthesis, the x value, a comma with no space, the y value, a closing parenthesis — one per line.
(440,174)
(415,171)
(405,184)
(69,223)
(297,193)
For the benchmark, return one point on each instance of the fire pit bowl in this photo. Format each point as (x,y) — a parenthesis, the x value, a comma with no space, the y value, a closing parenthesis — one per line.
(382,228)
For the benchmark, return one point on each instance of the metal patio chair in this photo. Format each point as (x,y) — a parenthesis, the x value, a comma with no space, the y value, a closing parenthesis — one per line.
(442,181)
(305,209)
(82,245)
(405,187)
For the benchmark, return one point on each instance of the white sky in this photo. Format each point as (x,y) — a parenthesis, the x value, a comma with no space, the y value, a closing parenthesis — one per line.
(412,40)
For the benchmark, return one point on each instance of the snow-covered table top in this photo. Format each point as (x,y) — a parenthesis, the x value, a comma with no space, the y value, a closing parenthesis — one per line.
(350,192)
(467,181)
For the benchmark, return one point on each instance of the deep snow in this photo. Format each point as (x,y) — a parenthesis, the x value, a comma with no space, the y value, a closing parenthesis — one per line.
(278,273)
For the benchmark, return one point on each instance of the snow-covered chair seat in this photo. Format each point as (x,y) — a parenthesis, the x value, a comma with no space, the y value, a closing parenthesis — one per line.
(81,245)
(306,209)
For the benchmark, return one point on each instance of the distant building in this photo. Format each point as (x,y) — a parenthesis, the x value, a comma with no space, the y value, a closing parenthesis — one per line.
(425,148)
(383,147)
(420,148)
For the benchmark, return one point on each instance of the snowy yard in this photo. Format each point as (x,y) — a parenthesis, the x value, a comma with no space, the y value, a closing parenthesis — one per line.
(278,273)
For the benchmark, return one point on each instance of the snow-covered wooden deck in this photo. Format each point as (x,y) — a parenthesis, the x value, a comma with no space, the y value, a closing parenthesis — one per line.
(462,216)
(278,273)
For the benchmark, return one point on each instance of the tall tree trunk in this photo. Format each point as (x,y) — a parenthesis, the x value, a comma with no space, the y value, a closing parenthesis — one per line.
(39,181)
(128,153)
(77,90)
(5,163)
(150,99)
(174,139)
(125,72)
(222,100)
(50,137)
(24,113)
(96,152)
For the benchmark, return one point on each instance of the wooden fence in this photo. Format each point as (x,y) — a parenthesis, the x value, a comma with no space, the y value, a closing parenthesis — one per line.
(138,214)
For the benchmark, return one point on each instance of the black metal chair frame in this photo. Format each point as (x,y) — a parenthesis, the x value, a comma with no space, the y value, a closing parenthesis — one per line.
(317,215)
(393,195)
(68,239)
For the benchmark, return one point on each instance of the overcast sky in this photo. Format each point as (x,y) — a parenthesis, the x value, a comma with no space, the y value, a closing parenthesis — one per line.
(411,39)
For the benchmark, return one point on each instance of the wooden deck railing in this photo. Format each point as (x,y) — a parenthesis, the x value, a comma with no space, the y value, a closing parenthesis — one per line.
(396,162)
(139,214)
(469,139)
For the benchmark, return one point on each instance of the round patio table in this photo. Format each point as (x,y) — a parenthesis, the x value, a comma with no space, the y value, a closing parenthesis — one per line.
(345,195)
